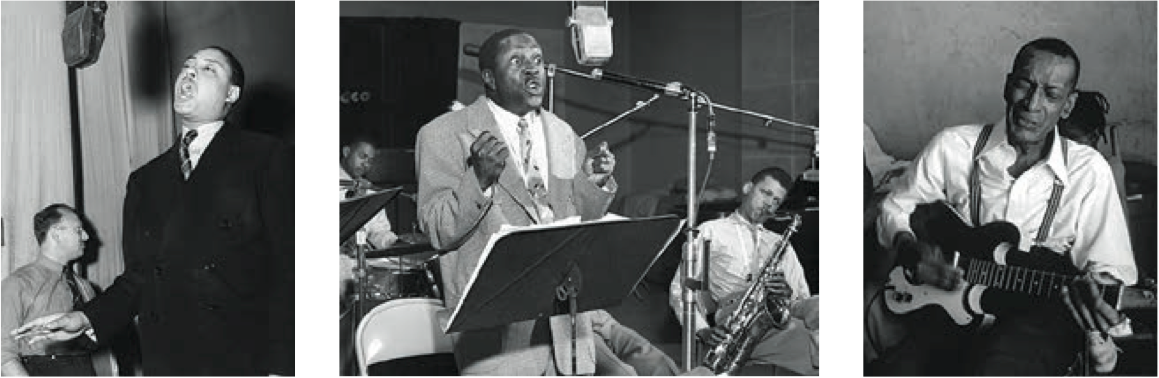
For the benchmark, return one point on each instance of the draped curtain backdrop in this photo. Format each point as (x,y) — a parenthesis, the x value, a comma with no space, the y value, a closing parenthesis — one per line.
(126,120)
(418,90)
(37,141)
(124,107)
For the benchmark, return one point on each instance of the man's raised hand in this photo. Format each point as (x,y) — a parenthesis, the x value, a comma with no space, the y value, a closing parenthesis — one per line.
(600,164)
(488,158)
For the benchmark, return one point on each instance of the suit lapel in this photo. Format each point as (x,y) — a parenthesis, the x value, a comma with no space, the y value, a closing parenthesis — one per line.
(510,180)
(216,153)
(171,169)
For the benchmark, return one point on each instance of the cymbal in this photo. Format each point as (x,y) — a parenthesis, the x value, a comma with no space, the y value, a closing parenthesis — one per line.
(400,249)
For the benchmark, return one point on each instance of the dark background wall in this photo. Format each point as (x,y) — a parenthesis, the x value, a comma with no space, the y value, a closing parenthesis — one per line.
(697,43)
(261,35)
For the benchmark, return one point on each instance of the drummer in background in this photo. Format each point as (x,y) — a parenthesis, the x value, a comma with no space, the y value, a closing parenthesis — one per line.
(355,163)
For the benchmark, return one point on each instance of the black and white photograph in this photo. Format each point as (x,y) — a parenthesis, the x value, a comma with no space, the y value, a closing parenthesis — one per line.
(1009,169)
(579,188)
(148,180)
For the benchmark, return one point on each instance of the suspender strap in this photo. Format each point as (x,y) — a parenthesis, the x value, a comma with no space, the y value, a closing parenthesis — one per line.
(976,187)
(1055,199)
(975,179)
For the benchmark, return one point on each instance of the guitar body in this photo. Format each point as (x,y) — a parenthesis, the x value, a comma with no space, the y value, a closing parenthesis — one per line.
(902,296)
(1022,281)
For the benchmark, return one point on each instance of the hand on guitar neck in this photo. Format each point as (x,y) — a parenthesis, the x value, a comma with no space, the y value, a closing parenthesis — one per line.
(1084,301)
(1090,312)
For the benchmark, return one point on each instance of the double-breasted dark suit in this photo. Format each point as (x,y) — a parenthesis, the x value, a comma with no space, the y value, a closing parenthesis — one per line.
(209,261)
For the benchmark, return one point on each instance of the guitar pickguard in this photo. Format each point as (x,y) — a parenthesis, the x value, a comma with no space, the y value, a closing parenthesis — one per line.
(903,296)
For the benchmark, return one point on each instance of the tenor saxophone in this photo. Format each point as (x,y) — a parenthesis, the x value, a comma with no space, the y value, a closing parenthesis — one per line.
(755,312)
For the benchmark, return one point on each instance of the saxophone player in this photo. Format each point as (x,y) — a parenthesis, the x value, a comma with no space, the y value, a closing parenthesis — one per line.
(739,246)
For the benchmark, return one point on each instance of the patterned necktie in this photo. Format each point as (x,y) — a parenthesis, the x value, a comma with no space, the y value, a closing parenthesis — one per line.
(535,184)
(69,278)
(186,161)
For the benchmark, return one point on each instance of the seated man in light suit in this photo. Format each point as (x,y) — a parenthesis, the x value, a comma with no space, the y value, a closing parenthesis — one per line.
(504,160)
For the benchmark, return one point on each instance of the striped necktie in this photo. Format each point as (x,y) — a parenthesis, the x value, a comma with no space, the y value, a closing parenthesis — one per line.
(186,161)
(69,278)
(535,184)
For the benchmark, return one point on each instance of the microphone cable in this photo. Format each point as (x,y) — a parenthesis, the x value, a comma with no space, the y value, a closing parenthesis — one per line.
(710,141)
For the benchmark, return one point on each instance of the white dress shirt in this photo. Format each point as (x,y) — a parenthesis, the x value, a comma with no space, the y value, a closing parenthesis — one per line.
(205,135)
(733,261)
(509,125)
(1089,221)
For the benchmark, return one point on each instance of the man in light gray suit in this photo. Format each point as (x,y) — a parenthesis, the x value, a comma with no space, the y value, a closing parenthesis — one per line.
(504,160)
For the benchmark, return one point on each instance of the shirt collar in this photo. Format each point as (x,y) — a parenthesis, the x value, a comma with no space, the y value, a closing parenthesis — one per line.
(505,117)
(342,175)
(736,217)
(48,263)
(206,131)
(1055,161)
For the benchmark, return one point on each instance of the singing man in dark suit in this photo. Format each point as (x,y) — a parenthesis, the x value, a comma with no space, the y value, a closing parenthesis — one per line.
(505,160)
(208,243)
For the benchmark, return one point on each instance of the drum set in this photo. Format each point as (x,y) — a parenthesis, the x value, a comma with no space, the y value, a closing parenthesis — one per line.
(403,270)
(406,269)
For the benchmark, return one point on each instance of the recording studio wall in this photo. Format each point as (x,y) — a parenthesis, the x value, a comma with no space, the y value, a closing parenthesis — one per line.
(698,43)
(586,104)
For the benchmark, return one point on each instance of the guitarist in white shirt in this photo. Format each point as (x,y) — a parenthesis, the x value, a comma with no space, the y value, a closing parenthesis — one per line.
(1060,195)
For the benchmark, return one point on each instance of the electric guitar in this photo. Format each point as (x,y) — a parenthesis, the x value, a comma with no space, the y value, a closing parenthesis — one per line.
(1026,279)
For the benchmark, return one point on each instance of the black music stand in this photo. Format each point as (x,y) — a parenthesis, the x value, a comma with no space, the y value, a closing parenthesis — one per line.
(551,270)
(354,214)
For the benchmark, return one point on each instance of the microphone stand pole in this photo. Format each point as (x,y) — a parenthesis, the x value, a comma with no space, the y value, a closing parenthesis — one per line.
(360,272)
(693,252)
(692,249)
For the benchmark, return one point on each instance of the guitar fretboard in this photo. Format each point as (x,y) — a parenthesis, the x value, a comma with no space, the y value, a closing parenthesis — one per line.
(1015,279)
(1025,280)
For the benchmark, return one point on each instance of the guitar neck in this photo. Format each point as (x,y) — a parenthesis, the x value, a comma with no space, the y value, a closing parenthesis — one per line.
(1026,281)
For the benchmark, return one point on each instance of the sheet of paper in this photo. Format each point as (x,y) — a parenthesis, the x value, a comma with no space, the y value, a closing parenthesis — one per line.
(508,229)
